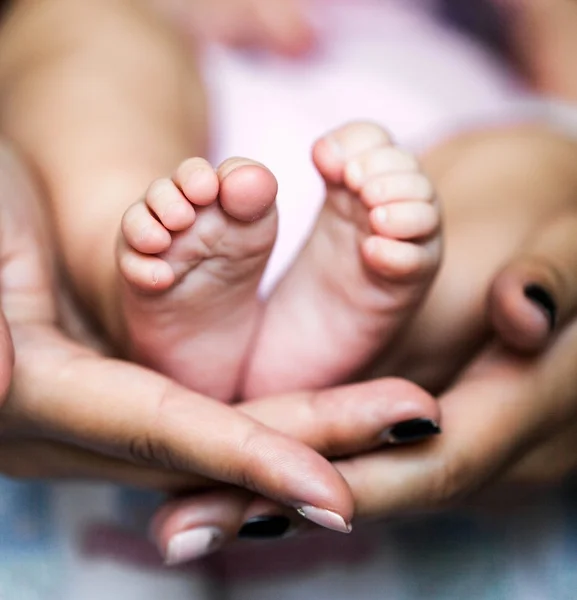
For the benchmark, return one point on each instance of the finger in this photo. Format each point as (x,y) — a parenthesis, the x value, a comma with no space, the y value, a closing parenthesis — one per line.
(502,406)
(185,530)
(127,411)
(537,291)
(345,421)
(6,358)
(20,270)
(351,419)
(335,423)
(27,269)
(548,463)
(42,459)
(66,392)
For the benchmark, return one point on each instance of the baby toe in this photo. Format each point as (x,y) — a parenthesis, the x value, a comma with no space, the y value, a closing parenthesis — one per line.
(198,181)
(383,160)
(247,189)
(406,220)
(169,205)
(399,261)
(142,231)
(332,151)
(146,273)
(397,187)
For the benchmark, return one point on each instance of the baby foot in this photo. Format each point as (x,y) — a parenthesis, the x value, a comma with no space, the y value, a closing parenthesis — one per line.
(365,270)
(191,255)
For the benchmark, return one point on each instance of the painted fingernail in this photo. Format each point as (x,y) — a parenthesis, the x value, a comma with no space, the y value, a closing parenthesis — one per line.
(540,296)
(266,527)
(407,432)
(192,544)
(325,518)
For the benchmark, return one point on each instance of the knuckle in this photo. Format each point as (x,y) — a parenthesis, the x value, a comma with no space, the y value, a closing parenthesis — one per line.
(333,418)
(143,450)
(453,482)
(256,454)
(151,452)
(148,447)
(252,451)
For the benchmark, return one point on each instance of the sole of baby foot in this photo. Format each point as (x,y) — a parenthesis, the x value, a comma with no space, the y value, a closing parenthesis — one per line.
(367,266)
(191,255)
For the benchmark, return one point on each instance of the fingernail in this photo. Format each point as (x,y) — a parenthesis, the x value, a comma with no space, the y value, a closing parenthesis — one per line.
(265,528)
(410,431)
(540,296)
(190,545)
(325,518)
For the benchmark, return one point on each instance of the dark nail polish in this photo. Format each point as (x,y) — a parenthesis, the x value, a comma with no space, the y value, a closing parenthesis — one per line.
(265,528)
(411,431)
(544,300)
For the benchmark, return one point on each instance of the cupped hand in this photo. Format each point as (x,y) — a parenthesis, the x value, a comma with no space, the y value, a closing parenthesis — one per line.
(74,412)
(509,417)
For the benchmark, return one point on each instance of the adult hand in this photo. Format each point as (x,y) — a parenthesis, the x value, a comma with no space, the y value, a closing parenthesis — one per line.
(508,417)
(72,412)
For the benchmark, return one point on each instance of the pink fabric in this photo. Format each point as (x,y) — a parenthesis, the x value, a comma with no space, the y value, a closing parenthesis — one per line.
(384,60)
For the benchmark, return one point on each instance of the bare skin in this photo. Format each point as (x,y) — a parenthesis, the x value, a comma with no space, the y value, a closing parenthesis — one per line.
(192,254)
(374,251)
(500,188)
(188,279)
(541,436)
(69,411)
(428,475)
(518,407)
(91,185)
(193,293)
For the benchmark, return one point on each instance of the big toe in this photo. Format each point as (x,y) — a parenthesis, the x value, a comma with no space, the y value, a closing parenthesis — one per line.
(247,189)
(332,151)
